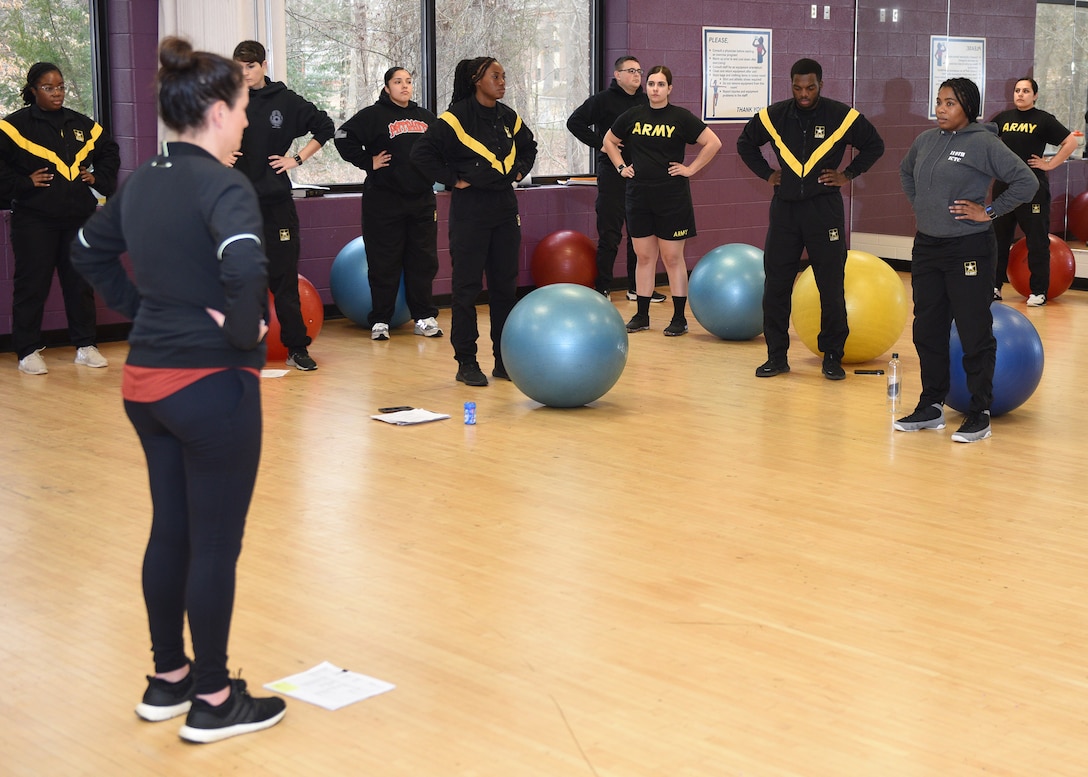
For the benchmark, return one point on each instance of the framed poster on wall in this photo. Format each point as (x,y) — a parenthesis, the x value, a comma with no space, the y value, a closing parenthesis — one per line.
(736,73)
(956,58)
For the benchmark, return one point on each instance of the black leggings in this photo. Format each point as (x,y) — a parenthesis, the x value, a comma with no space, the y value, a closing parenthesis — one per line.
(203,446)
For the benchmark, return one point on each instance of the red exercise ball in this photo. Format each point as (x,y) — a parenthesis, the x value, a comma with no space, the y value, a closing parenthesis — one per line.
(313,316)
(1063,267)
(564,256)
(1077,216)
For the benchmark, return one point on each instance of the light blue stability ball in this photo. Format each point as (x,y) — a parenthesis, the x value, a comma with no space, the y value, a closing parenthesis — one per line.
(350,287)
(564,345)
(725,291)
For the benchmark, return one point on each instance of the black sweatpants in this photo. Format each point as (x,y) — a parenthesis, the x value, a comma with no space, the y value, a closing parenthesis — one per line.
(1034,219)
(203,446)
(952,279)
(401,236)
(818,226)
(281,246)
(485,241)
(611,218)
(40,248)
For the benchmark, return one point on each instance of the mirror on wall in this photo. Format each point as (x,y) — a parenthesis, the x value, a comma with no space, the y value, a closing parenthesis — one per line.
(1045,39)
(1061,69)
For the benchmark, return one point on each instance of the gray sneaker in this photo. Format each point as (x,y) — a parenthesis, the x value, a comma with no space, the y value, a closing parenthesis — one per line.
(930,417)
(975,427)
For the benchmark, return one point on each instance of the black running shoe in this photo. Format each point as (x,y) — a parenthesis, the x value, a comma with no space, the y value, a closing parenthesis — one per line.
(470,374)
(300,359)
(832,368)
(676,328)
(163,700)
(638,323)
(928,417)
(500,371)
(656,296)
(772,367)
(975,427)
(239,714)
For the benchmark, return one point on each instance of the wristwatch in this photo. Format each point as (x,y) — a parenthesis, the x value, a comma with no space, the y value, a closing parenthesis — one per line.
(621,168)
(298,160)
(990,212)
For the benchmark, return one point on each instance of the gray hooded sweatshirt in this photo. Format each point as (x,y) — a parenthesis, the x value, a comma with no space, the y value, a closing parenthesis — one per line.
(942,167)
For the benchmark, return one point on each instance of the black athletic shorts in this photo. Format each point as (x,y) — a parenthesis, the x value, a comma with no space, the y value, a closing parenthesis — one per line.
(660,209)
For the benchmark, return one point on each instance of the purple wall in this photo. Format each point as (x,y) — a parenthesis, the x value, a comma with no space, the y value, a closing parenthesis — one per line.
(731,205)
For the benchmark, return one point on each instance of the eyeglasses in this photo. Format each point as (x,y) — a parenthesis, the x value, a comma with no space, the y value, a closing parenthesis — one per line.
(49,88)
(635,71)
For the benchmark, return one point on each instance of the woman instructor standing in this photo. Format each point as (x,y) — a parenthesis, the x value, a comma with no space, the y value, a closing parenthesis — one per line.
(191,385)
(660,215)
(54,165)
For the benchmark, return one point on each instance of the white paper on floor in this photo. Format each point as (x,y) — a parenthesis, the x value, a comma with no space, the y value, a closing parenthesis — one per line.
(329,686)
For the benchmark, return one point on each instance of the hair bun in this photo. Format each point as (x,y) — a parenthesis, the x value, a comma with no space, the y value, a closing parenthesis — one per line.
(176,54)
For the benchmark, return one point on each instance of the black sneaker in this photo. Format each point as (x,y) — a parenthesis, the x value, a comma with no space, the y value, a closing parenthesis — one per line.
(300,359)
(772,367)
(833,367)
(163,700)
(928,417)
(975,427)
(500,371)
(657,296)
(239,714)
(676,328)
(470,374)
(638,323)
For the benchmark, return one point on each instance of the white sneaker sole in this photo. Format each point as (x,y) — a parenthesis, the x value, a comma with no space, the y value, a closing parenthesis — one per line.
(206,736)
(975,437)
(159,714)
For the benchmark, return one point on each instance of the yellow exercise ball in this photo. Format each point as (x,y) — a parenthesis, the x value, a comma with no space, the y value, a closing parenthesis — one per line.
(876,307)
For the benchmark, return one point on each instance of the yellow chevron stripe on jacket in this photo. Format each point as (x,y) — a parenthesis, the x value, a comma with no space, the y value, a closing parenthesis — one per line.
(821,151)
(471,143)
(71,172)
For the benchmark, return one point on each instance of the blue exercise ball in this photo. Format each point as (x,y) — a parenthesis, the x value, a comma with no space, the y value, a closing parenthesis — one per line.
(1019,366)
(350,287)
(725,291)
(564,345)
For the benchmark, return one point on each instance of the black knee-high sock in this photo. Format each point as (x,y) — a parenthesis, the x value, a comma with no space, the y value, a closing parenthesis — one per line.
(643,306)
(679,305)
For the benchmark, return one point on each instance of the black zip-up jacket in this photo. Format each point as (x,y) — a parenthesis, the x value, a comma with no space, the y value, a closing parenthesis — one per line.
(385,126)
(593,118)
(191,227)
(276,117)
(31,140)
(807,142)
(489,148)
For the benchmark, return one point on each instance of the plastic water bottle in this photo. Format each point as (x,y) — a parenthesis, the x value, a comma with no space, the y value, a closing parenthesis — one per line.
(895,386)
(470,413)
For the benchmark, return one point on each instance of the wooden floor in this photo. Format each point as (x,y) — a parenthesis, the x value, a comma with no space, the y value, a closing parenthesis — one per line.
(701,574)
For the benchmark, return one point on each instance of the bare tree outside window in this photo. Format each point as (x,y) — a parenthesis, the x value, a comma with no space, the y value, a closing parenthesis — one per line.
(57,31)
(338,51)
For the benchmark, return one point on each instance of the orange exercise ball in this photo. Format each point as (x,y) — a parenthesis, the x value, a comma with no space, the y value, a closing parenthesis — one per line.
(1063,267)
(313,316)
(565,256)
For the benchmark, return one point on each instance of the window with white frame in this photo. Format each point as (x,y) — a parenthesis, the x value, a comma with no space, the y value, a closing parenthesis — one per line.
(338,50)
